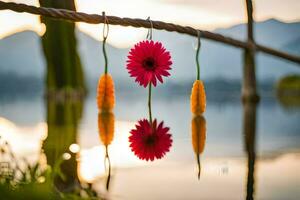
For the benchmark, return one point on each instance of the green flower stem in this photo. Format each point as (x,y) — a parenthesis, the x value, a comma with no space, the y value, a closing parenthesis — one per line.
(197,58)
(105,55)
(149,103)
(149,37)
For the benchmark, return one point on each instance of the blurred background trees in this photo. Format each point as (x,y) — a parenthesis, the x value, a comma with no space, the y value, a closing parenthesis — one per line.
(64,74)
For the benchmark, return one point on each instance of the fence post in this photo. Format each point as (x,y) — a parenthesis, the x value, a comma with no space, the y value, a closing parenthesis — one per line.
(249,131)
(250,100)
(249,92)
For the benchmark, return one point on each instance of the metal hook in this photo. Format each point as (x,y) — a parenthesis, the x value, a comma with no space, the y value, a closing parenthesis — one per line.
(149,34)
(105,24)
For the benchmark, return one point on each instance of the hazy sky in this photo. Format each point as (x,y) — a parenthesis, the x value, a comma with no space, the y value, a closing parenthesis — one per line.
(204,14)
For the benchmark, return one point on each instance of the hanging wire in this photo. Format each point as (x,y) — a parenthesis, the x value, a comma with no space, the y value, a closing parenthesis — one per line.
(197,55)
(105,35)
(149,34)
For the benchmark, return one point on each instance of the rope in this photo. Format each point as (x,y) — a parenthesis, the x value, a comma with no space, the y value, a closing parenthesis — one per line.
(113,20)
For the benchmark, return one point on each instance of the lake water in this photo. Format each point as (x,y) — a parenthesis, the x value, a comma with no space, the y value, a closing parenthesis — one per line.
(238,162)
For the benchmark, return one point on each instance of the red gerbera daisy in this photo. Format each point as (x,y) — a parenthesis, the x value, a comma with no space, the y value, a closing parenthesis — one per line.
(148,61)
(150,141)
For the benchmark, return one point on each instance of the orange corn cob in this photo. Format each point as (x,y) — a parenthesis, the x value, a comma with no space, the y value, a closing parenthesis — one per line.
(198,98)
(198,133)
(198,138)
(106,126)
(105,93)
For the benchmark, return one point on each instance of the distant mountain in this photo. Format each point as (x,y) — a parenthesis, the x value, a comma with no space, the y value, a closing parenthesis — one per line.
(21,54)
(271,32)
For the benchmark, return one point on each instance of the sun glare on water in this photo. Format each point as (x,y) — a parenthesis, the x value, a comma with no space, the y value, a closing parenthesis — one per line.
(26,142)
(91,161)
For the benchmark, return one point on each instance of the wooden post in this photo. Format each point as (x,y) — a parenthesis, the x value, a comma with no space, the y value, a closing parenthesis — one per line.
(249,92)
(250,100)
(249,130)
(65,76)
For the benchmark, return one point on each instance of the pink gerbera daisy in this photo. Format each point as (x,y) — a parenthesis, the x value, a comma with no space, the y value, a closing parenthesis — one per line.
(148,61)
(149,141)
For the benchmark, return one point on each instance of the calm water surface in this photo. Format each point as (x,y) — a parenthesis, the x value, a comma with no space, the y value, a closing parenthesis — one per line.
(235,164)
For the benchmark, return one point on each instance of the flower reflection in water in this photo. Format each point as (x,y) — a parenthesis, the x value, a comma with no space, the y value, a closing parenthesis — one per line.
(106,126)
(150,141)
(198,137)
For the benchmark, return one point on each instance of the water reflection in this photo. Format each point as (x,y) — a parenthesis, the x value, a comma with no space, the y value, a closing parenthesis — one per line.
(198,138)
(106,128)
(61,148)
(178,166)
(150,140)
(63,119)
(249,129)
